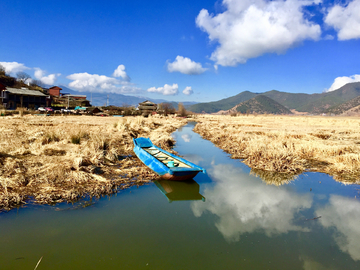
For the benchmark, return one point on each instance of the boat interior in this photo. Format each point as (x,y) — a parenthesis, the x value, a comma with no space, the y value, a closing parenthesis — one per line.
(168,160)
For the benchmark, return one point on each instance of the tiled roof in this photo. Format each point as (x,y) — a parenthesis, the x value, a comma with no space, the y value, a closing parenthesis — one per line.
(26,92)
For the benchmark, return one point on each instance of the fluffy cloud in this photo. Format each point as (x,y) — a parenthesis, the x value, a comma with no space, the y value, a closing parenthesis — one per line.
(49,79)
(186,66)
(250,28)
(13,67)
(167,90)
(345,20)
(245,205)
(120,72)
(188,91)
(100,83)
(341,81)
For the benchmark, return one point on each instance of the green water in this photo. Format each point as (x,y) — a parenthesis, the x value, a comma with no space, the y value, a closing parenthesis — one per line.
(227,219)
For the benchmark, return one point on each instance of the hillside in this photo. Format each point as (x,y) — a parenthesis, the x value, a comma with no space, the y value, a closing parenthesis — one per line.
(311,103)
(291,100)
(223,104)
(262,105)
(333,98)
(344,107)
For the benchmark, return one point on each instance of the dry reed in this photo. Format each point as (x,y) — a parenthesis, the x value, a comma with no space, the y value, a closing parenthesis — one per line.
(57,159)
(289,144)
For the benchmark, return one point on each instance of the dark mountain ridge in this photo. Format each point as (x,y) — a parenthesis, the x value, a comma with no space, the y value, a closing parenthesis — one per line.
(261,104)
(311,103)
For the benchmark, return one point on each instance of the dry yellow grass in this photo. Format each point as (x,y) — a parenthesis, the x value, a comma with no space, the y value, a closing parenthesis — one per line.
(288,144)
(56,159)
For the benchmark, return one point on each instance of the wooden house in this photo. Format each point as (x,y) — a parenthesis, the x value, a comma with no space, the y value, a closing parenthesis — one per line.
(14,98)
(147,107)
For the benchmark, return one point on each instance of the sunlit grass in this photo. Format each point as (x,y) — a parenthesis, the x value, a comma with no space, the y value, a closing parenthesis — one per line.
(55,159)
(289,144)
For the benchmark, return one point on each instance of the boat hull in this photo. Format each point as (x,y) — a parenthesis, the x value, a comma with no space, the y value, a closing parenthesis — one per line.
(173,177)
(162,162)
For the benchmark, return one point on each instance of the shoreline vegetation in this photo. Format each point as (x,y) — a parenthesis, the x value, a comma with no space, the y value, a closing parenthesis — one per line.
(278,148)
(47,160)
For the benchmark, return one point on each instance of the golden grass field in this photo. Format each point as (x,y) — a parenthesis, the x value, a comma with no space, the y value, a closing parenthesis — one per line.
(278,148)
(64,158)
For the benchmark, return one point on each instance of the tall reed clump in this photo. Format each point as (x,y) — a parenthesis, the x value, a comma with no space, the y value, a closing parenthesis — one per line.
(289,144)
(57,159)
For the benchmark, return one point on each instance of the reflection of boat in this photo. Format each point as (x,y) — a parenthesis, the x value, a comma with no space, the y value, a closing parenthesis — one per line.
(167,165)
(180,190)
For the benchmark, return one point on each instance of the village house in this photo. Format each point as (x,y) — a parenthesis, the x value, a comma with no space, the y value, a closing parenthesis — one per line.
(147,107)
(13,98)
(54,91)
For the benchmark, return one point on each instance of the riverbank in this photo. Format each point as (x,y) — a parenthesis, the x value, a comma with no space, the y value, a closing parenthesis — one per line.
(288,145)
(62,159)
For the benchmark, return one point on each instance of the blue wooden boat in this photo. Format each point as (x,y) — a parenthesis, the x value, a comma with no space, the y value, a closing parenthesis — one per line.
(165,164)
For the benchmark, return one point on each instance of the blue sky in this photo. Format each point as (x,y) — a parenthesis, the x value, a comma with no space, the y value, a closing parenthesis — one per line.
(183,50)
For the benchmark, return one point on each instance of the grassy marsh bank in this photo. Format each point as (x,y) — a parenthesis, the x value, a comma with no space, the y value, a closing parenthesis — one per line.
(56,159)
(289,144)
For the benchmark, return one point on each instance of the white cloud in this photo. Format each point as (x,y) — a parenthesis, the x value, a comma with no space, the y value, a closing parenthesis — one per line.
(120,72)
(244,204)
(166,90)
(188,91)
(344,215)
(49,79)
(186,66)
(341,81)
(100,83)
(345,20)
(250,28)
(13,67)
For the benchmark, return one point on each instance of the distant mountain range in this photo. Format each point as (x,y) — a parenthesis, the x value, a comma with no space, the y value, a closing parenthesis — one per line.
(310,103)
(101,99)
(261,104)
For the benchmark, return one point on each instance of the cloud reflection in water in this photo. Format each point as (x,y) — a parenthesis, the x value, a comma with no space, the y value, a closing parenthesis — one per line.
(186,137)
(244,204)
(344,214)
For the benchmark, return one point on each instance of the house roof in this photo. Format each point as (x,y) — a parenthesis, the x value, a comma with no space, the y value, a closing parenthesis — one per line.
(147,102)
(56,88)
(26,92)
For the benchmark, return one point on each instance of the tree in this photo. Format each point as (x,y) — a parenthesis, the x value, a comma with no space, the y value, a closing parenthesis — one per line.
(2,70)
(22,76)
(167,108)
(37,83)
(182,110)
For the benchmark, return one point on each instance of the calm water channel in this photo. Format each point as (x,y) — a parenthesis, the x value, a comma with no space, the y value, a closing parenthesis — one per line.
(227,219)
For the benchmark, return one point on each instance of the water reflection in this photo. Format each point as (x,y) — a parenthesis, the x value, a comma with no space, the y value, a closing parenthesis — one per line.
(245,205)
(343,214)
(180,190)
(274,178)
(272,204)
(186,137)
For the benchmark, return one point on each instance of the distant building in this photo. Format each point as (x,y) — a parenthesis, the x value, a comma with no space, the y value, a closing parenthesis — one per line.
(75,96)
(13,98)
(54,91)
(147,107)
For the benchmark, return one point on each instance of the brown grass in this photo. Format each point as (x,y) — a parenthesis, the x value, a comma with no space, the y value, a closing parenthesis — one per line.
(289,144)
(57,159)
